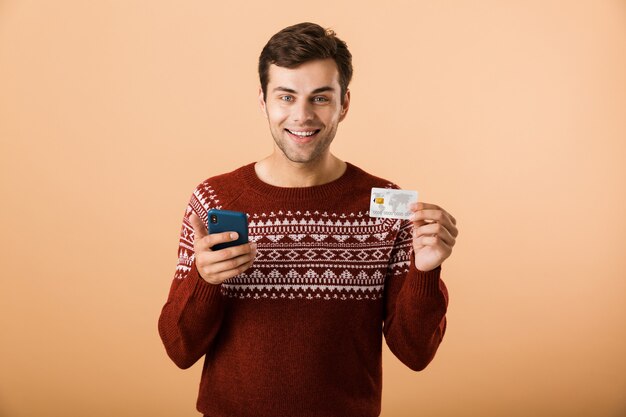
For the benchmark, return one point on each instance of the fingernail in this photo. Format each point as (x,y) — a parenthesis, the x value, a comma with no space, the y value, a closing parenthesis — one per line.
(253,245)
(233,235)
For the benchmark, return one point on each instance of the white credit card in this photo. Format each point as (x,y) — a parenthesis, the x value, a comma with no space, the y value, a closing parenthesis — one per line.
(391,204)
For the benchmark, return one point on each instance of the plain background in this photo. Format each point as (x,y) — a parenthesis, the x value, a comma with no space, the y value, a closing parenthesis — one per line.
(511,115)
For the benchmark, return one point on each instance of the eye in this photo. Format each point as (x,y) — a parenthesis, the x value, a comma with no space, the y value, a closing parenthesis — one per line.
(320,99)
(286,98)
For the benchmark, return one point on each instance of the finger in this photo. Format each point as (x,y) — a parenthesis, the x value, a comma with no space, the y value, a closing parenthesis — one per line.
(199,229)
(225,254)
(419,206)
(432,241)
(215,238)
(216,272)
(230,265)
(435,229)
(422,217)
(428,214)
(445,222)
(418,222)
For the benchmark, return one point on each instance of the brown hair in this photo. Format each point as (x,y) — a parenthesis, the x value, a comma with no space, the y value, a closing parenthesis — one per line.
(297,44)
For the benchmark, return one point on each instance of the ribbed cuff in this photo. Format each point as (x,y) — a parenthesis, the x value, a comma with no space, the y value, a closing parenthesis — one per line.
(423,283)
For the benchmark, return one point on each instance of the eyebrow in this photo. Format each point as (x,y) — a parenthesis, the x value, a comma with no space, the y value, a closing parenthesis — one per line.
(316,91)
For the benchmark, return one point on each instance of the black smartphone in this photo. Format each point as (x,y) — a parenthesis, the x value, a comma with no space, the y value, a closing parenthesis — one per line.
(228,221)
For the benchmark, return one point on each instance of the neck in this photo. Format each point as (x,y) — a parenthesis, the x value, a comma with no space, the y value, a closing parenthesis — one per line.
(281,172)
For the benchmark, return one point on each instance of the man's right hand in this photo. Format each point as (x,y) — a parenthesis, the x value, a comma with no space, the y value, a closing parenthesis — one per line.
(217,266)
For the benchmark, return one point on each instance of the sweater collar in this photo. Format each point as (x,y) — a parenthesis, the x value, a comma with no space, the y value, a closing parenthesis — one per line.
(334,189)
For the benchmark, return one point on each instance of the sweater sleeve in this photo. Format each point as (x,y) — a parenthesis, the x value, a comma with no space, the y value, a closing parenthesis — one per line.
(193,312)
(415,305)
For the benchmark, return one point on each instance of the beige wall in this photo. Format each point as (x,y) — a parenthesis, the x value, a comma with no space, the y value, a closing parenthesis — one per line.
(511,115)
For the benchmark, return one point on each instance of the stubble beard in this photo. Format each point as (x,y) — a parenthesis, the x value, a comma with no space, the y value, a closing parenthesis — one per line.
(321,146)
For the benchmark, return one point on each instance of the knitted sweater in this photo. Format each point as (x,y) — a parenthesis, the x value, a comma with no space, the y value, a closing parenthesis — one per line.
(299,334)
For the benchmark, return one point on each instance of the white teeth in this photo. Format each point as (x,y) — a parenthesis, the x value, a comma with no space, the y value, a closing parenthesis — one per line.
(302,133)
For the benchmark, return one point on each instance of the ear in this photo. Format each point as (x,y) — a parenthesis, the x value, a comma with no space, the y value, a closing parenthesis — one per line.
(262,103)
(345,106)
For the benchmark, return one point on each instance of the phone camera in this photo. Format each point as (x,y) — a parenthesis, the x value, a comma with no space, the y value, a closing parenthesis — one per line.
(213,218)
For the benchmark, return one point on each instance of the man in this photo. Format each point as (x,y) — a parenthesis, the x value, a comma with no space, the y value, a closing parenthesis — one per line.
(290,324)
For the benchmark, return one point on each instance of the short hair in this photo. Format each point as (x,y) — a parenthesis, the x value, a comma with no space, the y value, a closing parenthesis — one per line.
(297,44)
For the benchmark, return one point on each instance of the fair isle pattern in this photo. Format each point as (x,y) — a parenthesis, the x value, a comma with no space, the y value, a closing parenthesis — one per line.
(310,255)
(202,199)
(319,255)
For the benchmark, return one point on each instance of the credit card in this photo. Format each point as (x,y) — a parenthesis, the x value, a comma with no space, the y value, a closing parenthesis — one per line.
(390,203)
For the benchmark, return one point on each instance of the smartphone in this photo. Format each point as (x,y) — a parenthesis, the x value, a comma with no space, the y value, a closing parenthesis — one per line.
(228,221)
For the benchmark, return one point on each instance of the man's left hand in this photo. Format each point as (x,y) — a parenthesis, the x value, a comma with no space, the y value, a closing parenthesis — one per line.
(434,235)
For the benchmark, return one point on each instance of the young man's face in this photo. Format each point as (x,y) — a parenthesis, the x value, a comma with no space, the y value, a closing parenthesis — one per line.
(303,108)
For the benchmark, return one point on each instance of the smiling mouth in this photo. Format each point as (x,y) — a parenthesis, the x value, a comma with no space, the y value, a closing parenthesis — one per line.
(303,133)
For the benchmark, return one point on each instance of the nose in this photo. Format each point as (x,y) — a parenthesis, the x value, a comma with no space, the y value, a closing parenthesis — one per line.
(303,112)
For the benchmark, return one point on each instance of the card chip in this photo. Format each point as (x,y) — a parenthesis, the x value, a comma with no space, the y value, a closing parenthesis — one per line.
(379,200)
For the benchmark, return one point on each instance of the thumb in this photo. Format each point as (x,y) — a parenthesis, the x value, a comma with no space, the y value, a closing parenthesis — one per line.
(199,229)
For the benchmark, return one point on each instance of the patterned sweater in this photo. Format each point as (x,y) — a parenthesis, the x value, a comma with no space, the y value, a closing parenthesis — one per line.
(299,334)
